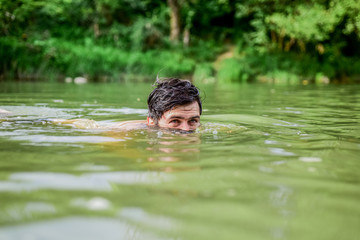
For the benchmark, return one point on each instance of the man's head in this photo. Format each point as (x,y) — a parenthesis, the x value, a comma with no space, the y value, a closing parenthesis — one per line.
(175,103)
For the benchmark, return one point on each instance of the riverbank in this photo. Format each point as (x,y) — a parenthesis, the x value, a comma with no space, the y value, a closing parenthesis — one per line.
(56,59)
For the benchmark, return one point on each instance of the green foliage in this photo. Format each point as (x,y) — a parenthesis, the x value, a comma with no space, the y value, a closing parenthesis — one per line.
(279,39)
(310,27)
(232,70)
(204,73)
(310,23)
(66,58)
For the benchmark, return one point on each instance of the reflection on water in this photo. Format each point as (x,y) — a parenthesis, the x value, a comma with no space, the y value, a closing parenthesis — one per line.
(73,228)
(138,215)
(265,164)
(91,181)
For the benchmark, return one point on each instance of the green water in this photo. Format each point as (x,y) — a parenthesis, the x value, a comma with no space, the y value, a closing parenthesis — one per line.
(268,163)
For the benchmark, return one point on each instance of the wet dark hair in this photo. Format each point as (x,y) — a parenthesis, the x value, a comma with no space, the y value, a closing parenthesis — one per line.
(169,93)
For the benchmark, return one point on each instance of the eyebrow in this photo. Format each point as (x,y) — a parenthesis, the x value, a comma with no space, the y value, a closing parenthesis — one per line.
(180,117)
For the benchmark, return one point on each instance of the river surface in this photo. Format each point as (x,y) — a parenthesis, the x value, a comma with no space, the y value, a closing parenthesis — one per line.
(268,162)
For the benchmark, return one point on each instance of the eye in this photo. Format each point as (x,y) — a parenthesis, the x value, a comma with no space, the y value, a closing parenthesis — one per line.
(175,121)
(193,121)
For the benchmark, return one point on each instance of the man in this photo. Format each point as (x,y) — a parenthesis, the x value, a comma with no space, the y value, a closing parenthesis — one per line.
(173,104)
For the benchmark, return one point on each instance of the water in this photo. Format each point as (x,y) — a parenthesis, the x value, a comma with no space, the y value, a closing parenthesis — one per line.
(268,163)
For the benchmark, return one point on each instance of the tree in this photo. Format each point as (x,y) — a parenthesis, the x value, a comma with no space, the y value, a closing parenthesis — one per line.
(174,20)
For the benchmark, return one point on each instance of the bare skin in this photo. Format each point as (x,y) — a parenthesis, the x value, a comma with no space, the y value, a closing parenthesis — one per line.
(183,117)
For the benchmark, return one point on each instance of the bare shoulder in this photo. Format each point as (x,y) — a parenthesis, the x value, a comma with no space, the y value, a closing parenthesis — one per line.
(78,123)
(91,124)
(4,112)
(130,125)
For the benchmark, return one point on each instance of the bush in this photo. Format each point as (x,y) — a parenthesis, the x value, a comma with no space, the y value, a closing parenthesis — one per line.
(234,70)
(58,57)
(204,73)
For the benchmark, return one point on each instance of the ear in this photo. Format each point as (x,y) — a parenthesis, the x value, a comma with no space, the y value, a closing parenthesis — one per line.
(150,122)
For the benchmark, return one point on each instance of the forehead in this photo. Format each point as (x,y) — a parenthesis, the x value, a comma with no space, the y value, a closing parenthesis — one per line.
(187,110)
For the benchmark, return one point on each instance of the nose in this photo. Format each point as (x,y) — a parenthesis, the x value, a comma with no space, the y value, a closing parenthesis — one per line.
(185,126)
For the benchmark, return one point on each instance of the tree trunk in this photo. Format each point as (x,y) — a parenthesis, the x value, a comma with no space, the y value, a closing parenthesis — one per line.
(174,20)
(96,29)
(289,44)
(186,37)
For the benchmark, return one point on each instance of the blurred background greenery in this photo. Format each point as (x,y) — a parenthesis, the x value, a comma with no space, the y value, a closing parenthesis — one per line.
(271,41)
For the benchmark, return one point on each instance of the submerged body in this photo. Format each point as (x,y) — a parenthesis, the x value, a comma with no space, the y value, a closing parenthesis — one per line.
(184,117)
(91,124)
(174,104)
